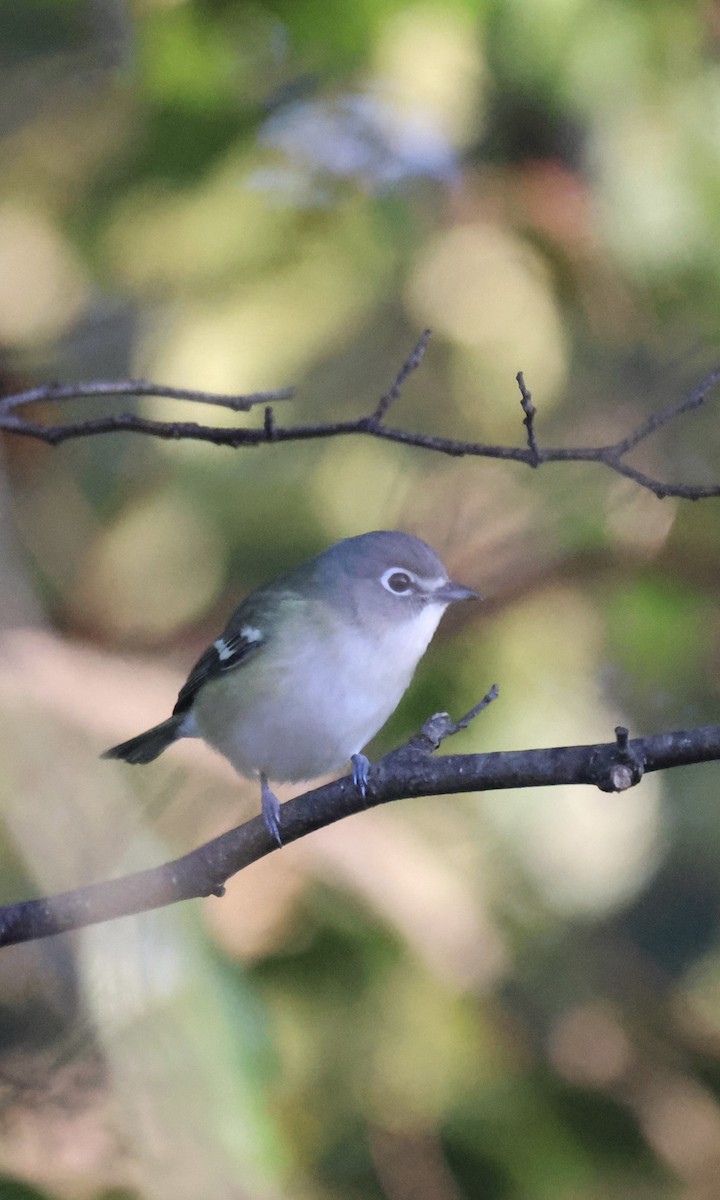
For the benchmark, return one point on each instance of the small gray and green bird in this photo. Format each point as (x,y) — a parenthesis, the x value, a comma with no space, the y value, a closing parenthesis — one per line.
(309,667)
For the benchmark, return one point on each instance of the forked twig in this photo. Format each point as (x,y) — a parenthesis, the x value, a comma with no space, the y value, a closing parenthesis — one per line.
(613,456)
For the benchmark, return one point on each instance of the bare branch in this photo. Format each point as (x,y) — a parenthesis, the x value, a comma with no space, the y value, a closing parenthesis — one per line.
(695,400)
(137,387)
(404,773)
(441,725)
(411,364)
(373,425)
(529,419)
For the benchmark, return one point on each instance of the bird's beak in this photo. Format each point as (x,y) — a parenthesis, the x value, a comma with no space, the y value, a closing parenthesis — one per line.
(449,592)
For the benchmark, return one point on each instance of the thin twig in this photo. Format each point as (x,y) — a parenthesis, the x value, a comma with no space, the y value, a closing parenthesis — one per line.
(529,419)
(441,725)
(412,362)
(137,387)
(474,712)
(656,421)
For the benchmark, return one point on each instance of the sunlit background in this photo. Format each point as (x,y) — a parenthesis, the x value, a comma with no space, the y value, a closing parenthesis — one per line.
(483,997)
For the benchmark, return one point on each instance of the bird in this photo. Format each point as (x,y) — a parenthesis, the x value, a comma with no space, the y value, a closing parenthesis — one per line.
(310,666)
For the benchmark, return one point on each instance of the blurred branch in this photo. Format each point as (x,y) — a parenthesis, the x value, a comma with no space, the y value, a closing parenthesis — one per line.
(404,773)
(52,392)
(373,425)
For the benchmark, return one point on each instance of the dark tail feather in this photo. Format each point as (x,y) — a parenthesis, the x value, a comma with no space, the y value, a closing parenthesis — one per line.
(148,745)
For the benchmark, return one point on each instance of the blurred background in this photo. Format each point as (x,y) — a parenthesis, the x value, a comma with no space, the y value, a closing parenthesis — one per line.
(483,997)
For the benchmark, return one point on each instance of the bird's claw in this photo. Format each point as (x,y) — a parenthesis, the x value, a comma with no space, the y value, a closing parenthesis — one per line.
(270,811)
(360,773)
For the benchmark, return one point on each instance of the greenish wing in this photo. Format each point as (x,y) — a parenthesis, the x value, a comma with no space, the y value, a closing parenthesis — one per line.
(228,652)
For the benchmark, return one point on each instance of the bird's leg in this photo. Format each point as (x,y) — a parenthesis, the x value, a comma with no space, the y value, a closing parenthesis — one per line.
(270,809)
(360,773)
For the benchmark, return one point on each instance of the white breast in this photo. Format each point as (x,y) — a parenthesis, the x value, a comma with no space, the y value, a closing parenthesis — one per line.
(320,701)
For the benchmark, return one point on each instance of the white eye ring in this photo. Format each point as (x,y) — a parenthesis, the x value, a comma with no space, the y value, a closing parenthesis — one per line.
(398,581)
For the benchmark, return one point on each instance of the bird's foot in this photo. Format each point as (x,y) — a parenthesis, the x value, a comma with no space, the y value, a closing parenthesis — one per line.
(360,773)
(270,810)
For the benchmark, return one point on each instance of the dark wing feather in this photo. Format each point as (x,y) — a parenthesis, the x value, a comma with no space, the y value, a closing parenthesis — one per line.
(228,652)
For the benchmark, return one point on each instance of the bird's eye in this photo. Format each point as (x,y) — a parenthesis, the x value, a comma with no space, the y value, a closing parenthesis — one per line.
(398,582)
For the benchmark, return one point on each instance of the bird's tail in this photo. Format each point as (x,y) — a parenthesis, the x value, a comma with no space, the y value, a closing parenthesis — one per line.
(148,745)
